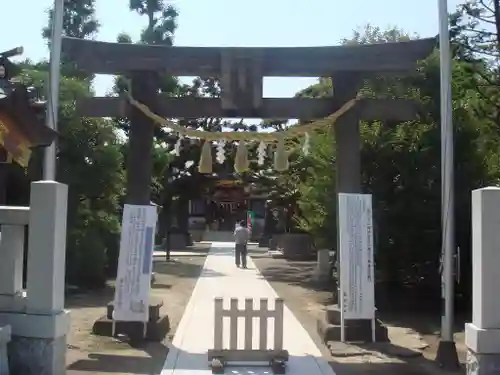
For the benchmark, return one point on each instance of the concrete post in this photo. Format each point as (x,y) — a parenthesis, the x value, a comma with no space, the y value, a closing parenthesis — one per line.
(4,340)
(322,272)
(12,255)
(38,343)
(47,253)
(482,336)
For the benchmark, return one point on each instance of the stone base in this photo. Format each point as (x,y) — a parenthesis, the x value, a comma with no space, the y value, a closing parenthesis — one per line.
(273,242)
(297,246)
(321,277)
(447,356)
(483,364)
(360,330)
(333,315)
(5,338)
(189,239)
(155,330)
(176,241)
(355,331)
(264,241)
(480,340)
(197,234)
(35,356)
(154,310)
(321,281)
(483,357)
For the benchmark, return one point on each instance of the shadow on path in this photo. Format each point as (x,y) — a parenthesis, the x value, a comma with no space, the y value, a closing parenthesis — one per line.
(151,362)
(198,362)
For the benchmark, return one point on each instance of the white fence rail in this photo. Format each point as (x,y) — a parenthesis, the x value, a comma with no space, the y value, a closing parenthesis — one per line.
(220,355)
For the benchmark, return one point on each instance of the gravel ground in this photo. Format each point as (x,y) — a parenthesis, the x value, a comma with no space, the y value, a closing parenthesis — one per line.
(409,353)
(89,354)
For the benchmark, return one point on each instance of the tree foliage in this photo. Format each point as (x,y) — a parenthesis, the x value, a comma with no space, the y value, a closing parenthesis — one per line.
(89,158)
(401,168)
(79,21)
(400,161)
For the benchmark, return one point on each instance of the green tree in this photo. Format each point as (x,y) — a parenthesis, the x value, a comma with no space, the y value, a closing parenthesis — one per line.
(179,180)
(89,159)
(79,21)
(401,168)
(475,33)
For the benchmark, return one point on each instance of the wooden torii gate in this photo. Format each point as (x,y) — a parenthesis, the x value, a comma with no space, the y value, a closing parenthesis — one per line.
(241,72)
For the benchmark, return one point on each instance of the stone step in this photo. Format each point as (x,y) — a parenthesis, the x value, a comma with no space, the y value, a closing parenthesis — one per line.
(355,331)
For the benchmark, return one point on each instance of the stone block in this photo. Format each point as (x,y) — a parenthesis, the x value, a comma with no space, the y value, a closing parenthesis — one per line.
(264,241)
(154,310)
(45,278)
(37,325)
(273,243)
(189,239)
(177,241)
(197,234)
(332,313)
(323,270)
(297,246)
(485,258)
(482,364)
(38,342)
(355,331)
(5,337)
(480,340)
(12,253)
(156,330)
(37,356)
(482,336)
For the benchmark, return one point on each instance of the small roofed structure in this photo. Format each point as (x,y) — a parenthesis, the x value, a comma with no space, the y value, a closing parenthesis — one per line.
(21,127)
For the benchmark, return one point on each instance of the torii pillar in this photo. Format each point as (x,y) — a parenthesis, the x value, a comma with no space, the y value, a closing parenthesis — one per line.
(348,180)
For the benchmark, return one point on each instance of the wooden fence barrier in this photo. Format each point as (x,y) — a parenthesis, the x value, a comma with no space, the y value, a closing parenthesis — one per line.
(220,356)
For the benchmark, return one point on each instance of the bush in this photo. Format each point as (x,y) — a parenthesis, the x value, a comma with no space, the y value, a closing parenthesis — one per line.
(92,250)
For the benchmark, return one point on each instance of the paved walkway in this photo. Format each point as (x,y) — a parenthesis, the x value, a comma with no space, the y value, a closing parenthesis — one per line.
(194,336)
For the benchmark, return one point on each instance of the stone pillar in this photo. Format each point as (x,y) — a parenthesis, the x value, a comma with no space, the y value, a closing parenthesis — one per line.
(347,144)
(38,343)
(347,137)
(139,160)
(322,273)
(482,336)
(4,340)
(11,264)
(348,180)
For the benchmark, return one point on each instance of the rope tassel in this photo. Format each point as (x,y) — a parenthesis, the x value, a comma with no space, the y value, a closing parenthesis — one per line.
(241,164)
(241,159)
(281,156)
(205,165)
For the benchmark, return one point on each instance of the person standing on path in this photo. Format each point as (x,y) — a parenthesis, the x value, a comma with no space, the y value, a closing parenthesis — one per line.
(241,237)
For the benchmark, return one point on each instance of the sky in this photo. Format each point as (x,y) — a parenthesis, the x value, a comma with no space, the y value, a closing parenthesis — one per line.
(253,23)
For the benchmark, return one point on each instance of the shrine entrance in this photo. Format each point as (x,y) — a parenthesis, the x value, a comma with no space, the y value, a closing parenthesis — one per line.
(227,212)
(240,72)
(227,204)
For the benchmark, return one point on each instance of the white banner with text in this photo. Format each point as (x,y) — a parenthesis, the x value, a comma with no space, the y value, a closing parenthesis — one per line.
(357,280)
(135,263)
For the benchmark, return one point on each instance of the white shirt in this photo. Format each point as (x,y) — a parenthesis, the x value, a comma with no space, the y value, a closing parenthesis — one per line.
(241,235)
